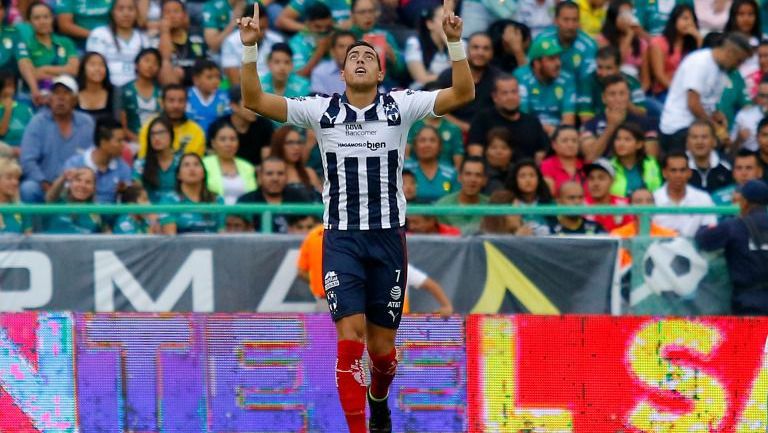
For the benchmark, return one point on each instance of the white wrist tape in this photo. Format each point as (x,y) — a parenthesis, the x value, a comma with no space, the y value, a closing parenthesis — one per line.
(250,53)
(456,51)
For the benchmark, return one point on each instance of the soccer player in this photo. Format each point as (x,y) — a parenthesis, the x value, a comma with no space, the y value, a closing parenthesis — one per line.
(362,137)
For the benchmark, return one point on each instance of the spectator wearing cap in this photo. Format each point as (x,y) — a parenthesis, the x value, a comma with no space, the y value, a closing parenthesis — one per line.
(52,136)
(746,167)
(205,101)
(43,55)
(598,131)
(479,56)
(104,158)
(572,194)
(578,48)
(710,171)
(472,177)
(232,47)
(179,47)
(697,86)
(545,90)
(676,191)
(745,241)
(254,132)
(312,44)
(326,76)
(600,175)
(188,136)
(530,140)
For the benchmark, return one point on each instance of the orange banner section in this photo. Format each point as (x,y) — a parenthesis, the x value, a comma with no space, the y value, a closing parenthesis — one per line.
(601,374)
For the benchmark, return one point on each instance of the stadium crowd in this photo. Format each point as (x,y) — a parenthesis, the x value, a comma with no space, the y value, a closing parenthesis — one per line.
(586,102)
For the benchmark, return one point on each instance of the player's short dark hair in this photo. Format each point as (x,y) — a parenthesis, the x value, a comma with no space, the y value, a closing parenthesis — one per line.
(318,11)
(360,43)
(614,79)
(565,5)
(471,160)
(202,65)
(104,129)
(171,87)
(672,155)
(338,34)
(609,52)
(280,47)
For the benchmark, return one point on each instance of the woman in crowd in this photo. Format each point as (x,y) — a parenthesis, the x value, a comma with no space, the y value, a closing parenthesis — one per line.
(157,171)
(511,41)
(9,35)
(96,95)
(139,100)
(745,18)
(504,224)
(288,145)
(499,154)
(10,173)
(565,165)
(44,55)
(425,53)
(228,176)
(133,224)
(433,178)
(77,187)
(622,30)
(119,42)
(680,37)
(530,189)
(14,114)
(191,187)
(634,169)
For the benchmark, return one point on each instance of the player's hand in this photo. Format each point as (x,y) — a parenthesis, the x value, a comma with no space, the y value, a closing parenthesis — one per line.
(250,32)
(452,24)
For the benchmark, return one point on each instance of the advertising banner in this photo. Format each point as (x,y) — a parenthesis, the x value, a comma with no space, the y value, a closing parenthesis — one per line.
(257,273)
(216,373)
(600,374)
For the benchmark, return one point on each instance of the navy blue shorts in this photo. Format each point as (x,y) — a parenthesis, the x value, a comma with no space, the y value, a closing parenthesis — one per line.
(364,272)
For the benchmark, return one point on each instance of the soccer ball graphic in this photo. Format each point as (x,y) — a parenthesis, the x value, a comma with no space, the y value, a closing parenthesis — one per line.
(671,266)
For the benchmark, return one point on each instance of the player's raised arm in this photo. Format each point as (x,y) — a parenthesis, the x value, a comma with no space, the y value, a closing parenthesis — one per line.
(254,97)
(462,90)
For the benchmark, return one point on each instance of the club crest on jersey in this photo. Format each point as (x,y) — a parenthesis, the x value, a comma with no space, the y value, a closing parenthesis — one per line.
(333,302)
(392,112)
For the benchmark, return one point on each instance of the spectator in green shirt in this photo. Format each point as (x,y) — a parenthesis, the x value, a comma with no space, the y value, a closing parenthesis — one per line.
(365,19)
(157,171)
(14,115)
(281,80)
(10,173)
(9,39)
(191,187)
(76,18)
(134,224)
(291,17)
(433,178)
(139,99)
(472,177)
(219,21)
(452,150)
(75,186)
(45,55)
(590,99)
(311,45)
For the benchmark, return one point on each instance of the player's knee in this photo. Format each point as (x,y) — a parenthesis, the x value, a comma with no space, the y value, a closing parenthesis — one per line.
(351,328)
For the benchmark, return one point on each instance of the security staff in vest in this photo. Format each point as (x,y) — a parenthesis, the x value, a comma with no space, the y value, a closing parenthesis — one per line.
(745,240)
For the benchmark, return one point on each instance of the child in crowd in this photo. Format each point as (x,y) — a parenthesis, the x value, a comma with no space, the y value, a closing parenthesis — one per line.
(205,101)
(131,224)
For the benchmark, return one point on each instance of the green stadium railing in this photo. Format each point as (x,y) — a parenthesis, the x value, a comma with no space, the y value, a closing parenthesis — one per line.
(268,211)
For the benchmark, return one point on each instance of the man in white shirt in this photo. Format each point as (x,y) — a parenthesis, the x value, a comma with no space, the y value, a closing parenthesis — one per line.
(744,130)
(232,48)
(677,192)
(697,87)
(326,77)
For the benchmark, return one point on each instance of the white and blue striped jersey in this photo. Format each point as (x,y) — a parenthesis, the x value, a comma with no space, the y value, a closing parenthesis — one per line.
(363,152)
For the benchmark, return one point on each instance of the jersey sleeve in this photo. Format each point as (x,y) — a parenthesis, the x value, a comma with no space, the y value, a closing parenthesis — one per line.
(416,104)
(305,111)
(416,277)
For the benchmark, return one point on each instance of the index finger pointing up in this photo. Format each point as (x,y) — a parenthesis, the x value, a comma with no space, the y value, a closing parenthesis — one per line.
(256,12)
(449,6)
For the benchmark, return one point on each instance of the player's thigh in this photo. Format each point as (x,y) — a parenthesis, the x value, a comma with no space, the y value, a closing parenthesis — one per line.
(386,278)
(343,275)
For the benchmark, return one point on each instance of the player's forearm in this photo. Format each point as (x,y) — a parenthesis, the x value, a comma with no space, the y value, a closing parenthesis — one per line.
(252,92)
(462,81)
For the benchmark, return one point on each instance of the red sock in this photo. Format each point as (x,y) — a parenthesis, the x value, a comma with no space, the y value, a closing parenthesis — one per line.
(350,380)
(383,369)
